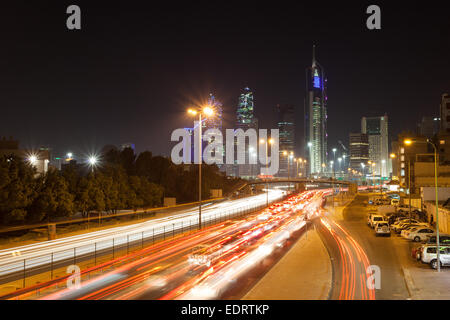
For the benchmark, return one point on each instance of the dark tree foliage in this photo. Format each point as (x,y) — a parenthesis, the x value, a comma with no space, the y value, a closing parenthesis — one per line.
(122,181)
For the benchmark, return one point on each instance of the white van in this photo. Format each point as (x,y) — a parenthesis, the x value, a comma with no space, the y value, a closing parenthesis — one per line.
(374,219)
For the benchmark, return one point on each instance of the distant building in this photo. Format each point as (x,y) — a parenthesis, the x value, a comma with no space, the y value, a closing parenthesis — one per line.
(376,129)
(286,127)
(127,145)
(359,151)
(245,119)
(316,117)
(38,158)
(405,158)
(214,122)
(445,114)
(428,127)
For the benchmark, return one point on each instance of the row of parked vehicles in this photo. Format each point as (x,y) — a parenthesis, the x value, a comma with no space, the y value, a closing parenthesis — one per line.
(414,230)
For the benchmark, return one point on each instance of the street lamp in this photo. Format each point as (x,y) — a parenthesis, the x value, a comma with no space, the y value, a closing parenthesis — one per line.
(93,161)
(270,141)
(208,112)
(409,142)
(32,159)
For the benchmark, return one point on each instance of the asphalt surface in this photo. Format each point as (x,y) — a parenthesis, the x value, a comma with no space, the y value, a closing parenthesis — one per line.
(388,253)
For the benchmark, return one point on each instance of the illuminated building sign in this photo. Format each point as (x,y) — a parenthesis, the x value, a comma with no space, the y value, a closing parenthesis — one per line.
(316,81)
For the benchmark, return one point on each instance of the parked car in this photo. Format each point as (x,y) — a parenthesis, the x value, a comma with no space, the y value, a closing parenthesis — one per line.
(401,221)
(395,202)
(398,222)
(399,228)
(374,219)
(393,217)
(416,252)
(418,234)
(444,239)
(428,255)
(382,228)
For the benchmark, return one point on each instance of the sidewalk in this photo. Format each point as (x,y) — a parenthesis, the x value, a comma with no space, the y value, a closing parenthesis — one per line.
(304,273)
(427,284)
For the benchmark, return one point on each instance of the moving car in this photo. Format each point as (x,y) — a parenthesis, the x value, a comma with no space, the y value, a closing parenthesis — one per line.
(395,202)
(429,255)
(382,228)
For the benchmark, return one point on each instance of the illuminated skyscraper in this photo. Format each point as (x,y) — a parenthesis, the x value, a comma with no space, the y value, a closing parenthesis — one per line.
(245,119)
(245,111)
(214,122)
(376,129)
(316,117)
(287,137)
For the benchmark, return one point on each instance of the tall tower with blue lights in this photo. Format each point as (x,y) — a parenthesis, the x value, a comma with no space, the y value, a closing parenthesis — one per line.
(316,118)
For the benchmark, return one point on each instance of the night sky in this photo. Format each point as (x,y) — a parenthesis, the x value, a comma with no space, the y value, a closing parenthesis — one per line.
(134,68)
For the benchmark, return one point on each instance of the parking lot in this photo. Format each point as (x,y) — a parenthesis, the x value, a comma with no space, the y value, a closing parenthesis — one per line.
(402,277)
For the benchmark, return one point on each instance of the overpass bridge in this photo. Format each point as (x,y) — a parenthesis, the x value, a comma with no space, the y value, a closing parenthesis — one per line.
(325,182)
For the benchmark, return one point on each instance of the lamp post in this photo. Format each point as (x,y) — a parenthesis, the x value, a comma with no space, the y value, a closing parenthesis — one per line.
(310,158)
(269,141)
(208,111)
(93,160)
(363,169)
(409,142)
(340,160)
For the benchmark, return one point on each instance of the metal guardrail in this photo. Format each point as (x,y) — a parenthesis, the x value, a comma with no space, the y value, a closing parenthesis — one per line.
(114,248)
(101,217)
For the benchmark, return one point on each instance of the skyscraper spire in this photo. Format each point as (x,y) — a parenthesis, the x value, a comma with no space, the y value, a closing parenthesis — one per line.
(314,56)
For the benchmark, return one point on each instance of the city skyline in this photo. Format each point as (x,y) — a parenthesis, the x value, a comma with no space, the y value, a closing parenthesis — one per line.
(225,155)
(127,87)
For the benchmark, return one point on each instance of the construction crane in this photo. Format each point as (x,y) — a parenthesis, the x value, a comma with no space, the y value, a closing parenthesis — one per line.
(342,145)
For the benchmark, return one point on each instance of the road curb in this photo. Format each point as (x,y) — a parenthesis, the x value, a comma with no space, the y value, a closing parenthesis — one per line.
(328,296)
(409,283)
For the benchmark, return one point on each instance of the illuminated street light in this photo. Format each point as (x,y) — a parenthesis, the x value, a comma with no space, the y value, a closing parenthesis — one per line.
(392,155)
(208,112)
(93,160)
(435,147)
(32,159)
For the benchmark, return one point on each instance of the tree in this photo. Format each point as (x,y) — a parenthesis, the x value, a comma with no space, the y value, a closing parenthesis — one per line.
(17,189)
(53,199)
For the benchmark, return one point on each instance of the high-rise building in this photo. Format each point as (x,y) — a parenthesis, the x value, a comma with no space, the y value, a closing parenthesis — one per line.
(428,127)
(445,113)
(316,117)
(376,129)
(245,119)
(359,151)
(245,111)
(214,122)
(286,127)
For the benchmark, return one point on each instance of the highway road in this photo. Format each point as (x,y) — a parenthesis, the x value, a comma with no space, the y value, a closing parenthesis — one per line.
(353,246)
(385,252)
(39,256)
(203,265)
